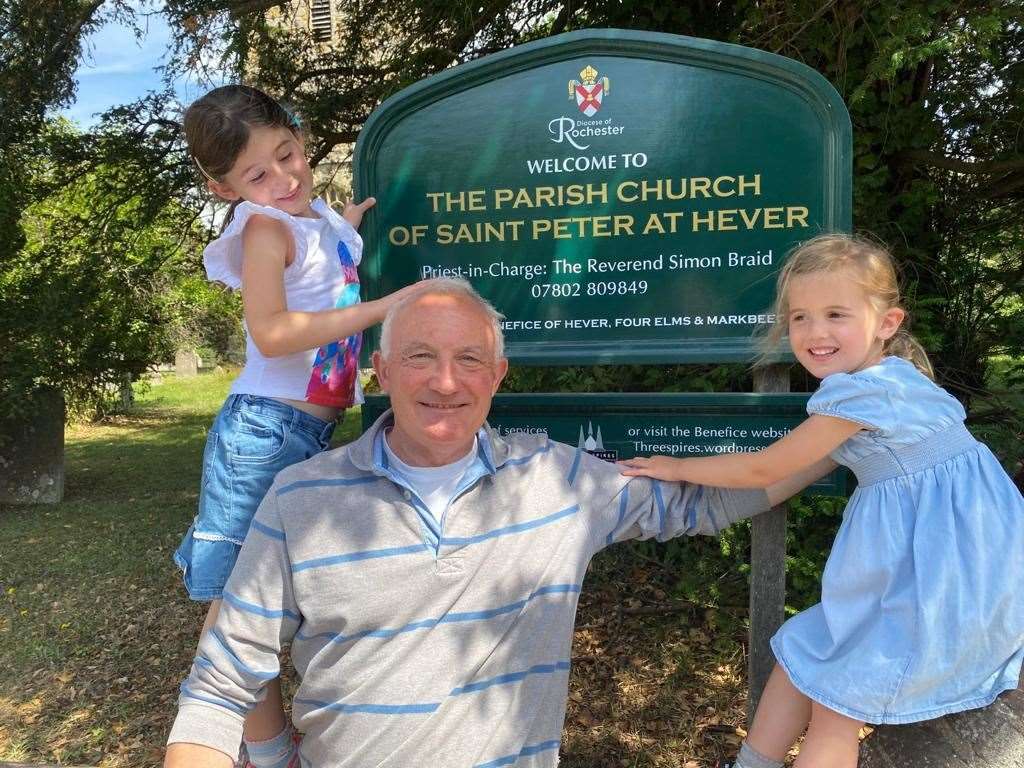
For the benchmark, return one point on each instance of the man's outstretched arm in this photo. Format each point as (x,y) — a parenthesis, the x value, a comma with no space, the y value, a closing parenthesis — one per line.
(182,755)
(644,508)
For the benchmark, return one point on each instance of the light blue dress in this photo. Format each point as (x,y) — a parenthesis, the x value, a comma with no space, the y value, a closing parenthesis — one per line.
(922,600)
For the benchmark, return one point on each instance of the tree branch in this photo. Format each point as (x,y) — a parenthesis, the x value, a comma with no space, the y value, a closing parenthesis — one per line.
(978,167)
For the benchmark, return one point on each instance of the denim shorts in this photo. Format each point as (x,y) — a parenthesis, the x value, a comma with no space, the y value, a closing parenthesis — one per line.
(252,439)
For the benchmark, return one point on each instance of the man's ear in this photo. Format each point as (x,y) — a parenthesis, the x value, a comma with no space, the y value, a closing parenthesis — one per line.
(381,368)
(892,319)
(222,190)
(500,370)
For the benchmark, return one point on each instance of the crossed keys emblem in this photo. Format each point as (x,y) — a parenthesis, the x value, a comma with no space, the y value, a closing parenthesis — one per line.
(589,93)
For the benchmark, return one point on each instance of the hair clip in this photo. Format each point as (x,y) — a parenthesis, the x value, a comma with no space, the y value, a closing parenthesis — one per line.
(201,169)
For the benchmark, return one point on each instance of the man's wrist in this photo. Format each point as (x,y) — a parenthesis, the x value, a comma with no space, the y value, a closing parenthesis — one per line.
(206,727)
(184,755)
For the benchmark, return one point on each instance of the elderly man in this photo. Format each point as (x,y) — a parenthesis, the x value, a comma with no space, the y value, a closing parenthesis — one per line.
(427,574)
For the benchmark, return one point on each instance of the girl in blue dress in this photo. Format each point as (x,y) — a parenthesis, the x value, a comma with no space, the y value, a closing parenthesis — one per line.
(922,599)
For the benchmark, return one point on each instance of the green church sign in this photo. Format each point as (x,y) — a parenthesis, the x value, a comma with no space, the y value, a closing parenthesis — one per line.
(620,196)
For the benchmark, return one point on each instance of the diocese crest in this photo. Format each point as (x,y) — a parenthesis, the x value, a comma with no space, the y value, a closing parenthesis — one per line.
(589,93)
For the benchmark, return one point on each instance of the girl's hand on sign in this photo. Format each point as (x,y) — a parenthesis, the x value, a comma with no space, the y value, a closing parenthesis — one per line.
(353,213)
(658,467)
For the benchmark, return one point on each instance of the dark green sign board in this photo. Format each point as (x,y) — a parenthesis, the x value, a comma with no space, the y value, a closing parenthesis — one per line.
(620,196)
(621,426)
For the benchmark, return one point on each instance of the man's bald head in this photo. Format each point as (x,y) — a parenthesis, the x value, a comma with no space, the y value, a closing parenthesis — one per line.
(444,286)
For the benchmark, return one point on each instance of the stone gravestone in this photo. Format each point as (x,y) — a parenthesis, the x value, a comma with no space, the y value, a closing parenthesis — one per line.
(32,452)
(236,349)
(186,362)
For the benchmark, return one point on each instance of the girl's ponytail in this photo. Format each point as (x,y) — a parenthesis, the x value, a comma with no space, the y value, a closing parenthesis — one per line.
(228,216)
(903,344)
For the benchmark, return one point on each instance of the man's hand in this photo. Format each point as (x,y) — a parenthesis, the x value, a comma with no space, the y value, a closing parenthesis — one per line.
(658,467)
(182,755)
(353,213)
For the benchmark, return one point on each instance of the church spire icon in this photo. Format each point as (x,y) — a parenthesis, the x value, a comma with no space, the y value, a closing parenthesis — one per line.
(594,444)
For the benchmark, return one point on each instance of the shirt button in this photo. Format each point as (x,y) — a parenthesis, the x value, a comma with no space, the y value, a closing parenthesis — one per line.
(407,494)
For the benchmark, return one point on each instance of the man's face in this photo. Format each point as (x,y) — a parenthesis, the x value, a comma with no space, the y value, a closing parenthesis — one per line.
(441,373)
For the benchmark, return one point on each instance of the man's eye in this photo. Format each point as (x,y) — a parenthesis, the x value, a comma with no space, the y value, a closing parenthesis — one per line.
(469,360)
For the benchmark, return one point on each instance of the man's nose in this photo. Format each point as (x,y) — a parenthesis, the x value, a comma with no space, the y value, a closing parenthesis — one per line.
(444,379)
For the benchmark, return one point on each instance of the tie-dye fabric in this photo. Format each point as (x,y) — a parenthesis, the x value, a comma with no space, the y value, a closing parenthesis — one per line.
(336,366)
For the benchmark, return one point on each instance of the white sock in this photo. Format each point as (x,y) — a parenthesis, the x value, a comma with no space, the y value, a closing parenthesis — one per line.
(751,758)
(275,752)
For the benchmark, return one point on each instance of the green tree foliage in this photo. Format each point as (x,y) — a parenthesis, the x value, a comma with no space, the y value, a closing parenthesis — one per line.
(84,294)
(40,46)
(933,87)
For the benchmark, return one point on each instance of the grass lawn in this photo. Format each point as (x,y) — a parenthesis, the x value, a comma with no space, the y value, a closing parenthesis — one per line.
(96,632)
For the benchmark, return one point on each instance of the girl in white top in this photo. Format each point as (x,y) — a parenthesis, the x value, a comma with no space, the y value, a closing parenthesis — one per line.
(294,260)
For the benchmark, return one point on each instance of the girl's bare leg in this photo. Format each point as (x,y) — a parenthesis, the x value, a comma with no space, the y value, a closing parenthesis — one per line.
(782,715)
(266,720)
(831,740)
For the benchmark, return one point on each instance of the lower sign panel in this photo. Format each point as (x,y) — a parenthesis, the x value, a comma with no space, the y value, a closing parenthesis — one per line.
(621,426)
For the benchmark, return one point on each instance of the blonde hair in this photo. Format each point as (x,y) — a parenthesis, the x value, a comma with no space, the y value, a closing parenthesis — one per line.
(863,261)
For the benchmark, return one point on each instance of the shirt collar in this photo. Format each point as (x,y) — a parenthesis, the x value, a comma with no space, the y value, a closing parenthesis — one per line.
(367,452)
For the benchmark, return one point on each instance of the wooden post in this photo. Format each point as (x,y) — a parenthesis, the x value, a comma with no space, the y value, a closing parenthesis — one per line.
(767,568)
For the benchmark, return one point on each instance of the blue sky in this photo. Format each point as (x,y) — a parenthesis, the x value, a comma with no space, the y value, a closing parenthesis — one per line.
(117,69)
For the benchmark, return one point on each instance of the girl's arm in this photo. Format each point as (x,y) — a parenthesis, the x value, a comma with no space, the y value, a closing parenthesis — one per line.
(792,485)
(268,248)
(794,454)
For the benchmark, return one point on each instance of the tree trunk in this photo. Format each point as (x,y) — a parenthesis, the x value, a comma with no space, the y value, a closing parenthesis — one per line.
(992,737)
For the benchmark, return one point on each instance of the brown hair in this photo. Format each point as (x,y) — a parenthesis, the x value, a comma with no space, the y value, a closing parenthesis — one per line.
(870,265)
(217,126)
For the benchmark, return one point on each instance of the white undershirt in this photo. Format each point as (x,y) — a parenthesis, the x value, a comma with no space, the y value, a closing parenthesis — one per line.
(434,485)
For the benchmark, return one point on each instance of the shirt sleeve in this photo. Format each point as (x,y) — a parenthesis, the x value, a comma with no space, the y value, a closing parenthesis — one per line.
(626,508)
(239,654)
(864,400)
(223,257)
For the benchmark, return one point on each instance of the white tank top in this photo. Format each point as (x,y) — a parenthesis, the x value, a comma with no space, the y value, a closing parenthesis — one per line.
(322,276)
